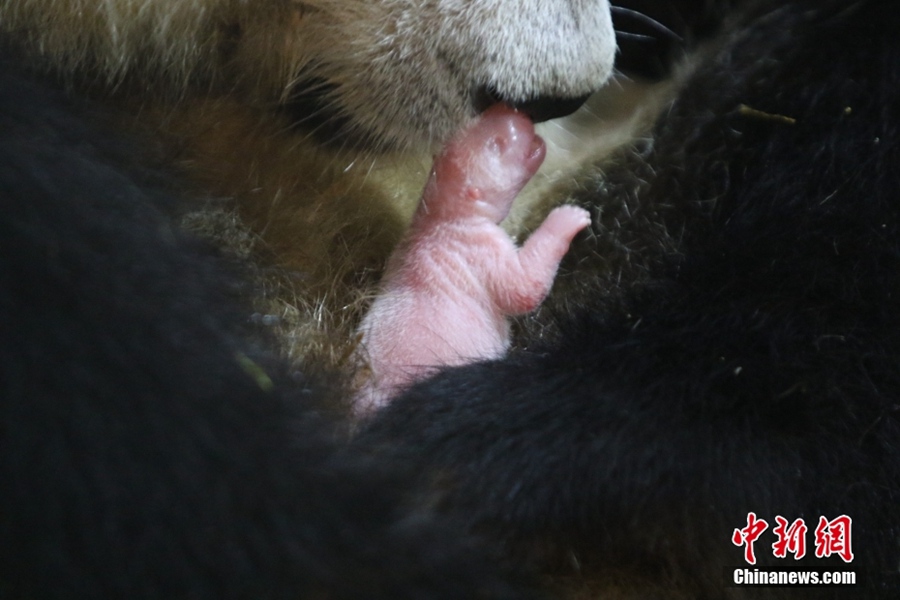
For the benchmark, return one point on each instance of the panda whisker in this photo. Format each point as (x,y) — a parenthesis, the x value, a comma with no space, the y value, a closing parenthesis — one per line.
(646,20)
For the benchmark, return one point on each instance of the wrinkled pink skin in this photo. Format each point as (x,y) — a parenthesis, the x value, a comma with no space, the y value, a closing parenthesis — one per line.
(452,283)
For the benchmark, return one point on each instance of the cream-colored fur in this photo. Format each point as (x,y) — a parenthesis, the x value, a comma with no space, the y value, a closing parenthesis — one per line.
(401,71)
(208,79)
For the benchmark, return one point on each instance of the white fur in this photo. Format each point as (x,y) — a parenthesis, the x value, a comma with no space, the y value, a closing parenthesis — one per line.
(403,71)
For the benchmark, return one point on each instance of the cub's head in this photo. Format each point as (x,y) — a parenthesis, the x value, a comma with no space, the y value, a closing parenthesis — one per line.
(389,73)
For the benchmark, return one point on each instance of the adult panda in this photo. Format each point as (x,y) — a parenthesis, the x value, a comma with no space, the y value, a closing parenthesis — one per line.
(721,345)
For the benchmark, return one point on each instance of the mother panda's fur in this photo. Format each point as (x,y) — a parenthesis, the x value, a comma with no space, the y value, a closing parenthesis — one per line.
(304,128)
(726,341)
(723,343)
(151,446)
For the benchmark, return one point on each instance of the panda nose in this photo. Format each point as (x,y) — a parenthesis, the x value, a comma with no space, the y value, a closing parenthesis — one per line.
(542,108)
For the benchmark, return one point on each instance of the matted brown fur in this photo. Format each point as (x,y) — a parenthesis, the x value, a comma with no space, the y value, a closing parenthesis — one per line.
(320,223)
(209,81)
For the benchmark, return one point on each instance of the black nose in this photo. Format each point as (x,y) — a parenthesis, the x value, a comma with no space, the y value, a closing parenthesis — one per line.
(542,108)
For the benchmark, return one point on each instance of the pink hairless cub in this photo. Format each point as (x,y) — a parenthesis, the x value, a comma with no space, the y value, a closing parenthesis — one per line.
(451,284)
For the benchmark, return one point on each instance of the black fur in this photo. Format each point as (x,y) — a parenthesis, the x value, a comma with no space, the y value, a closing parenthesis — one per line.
(729,335)
(725,341)
(147,451)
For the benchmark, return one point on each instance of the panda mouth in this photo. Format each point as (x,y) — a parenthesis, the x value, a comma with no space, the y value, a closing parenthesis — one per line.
(312,111)
(538,109)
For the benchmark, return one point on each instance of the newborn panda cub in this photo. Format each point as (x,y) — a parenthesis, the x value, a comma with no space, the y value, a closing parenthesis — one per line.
(456,277)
